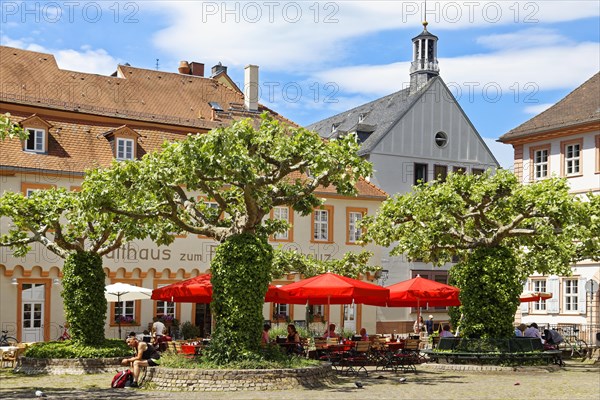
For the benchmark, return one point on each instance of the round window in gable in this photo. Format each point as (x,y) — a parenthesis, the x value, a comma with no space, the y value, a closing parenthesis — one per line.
(441,139)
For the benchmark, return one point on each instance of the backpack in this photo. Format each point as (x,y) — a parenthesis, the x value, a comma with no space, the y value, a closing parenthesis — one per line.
(122,379)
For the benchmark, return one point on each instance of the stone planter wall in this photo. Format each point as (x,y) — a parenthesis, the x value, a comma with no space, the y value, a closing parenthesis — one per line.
(171,379)
(73,366)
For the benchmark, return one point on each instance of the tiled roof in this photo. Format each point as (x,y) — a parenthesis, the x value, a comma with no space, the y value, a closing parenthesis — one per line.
(34,78)
(376,117)
(581,106)
(82,108)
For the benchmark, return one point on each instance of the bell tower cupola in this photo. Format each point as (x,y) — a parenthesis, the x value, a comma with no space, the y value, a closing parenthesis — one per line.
(424,64)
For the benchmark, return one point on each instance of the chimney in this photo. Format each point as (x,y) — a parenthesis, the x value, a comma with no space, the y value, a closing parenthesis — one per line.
(184,68)
(217,69)
(251,87)
(197,69)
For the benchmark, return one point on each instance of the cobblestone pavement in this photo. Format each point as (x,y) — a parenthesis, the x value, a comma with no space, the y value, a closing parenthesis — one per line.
(574,382)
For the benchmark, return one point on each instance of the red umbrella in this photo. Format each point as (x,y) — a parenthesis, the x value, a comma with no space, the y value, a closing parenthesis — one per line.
(330,288)
(418,291)
(534,296)
(199,290)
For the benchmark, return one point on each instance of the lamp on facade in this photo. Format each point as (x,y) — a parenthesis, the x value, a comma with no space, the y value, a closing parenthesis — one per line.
(56,281)
(14,281)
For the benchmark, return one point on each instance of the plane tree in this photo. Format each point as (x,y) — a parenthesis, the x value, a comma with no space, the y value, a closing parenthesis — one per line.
(223,185)
(500,230)
(67,224)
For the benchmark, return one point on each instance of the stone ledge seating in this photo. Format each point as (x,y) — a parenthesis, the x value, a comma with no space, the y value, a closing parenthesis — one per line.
(513,350)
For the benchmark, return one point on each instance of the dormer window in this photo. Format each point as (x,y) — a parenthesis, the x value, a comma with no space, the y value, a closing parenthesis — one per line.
(37,129)
(123,141)
(36,140)
(124,149)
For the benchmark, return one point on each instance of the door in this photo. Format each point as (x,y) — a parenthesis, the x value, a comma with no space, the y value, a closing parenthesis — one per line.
(203,319)
(350,317)
(33,298)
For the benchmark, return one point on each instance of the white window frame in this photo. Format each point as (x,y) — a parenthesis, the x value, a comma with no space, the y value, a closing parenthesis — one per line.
(321,225)
(281,213)
(539,285)
(571,295)
(165,307)
(541,158)
(39,140)
(572,159)
(125,149)
(354,232)
(127,309)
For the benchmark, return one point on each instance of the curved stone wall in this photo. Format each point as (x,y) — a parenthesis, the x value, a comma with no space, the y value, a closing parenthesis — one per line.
(172,379)
(73,366)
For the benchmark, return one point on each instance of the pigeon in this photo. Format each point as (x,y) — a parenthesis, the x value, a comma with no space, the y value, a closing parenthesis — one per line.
(402,380)
(380,377)
(39,393)
(358,384)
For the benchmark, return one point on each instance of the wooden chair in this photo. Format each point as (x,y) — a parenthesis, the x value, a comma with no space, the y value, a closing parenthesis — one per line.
(357,359)
(12,357)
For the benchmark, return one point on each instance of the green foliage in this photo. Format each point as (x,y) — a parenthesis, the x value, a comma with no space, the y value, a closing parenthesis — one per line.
(241,273)
(246,171)
(271,357)
(490,283)
(189,330)
(74,349)
(501,230)
(83,294)
(281,330)
(11,130)
(350,265)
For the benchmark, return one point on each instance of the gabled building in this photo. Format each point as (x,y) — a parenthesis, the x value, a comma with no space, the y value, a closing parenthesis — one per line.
(78,121)
(564,141)
(419,133)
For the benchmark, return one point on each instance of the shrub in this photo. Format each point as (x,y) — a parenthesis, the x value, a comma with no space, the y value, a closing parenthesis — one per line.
(189,330)
(72,349)
(270,358)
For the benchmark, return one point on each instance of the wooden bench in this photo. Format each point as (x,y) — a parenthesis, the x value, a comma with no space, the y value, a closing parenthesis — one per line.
(510,351)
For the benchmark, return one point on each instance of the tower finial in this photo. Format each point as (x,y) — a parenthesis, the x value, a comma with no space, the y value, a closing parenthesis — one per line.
(425,23)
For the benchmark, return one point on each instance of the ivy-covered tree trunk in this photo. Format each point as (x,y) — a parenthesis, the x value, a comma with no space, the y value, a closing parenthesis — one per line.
(240,279)
(489,293)
(83,296)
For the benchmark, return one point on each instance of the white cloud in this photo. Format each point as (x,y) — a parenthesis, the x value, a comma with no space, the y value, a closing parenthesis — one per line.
(85,59)
(285,37)
(534,37)
(537,109)
(522,72)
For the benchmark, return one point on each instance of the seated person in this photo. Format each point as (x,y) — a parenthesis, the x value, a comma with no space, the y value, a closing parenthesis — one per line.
(293,340)
(446,331)
(265,334)
(330,333)
(146,355)
(532,331)
(520,329)
(363,335)
(146,337)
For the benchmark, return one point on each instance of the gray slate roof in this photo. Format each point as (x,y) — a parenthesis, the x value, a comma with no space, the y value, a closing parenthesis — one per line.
(379,117)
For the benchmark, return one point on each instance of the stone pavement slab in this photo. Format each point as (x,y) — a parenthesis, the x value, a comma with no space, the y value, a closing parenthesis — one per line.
(576,381)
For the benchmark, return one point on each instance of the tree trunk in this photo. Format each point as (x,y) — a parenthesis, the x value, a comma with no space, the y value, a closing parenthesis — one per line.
(83,295)
(490,285)
(240,279)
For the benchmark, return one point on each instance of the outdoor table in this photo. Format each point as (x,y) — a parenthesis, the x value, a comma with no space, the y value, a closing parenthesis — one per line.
(395,346)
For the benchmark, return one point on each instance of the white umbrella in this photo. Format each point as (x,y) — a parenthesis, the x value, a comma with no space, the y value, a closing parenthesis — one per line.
(118,292)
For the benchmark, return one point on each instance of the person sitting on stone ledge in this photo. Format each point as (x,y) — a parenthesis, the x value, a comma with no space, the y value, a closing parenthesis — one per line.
(145,355)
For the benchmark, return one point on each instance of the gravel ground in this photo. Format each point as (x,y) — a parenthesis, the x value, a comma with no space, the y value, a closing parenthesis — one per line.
(574,382)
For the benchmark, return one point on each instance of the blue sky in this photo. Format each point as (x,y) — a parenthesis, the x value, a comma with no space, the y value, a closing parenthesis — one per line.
(505,61)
